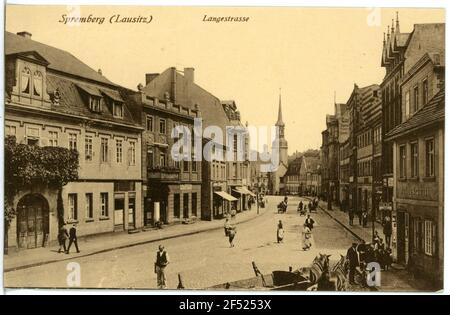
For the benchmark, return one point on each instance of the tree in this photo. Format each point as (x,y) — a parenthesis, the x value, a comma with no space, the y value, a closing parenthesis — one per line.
(27,165)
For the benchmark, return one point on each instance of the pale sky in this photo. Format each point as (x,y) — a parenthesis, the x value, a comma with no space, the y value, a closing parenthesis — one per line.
(309,52)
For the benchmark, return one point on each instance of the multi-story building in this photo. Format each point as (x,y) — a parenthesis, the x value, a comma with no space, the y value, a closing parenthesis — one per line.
(418,142)
(54,99)
(172,186)
(292,181)
(324,164)
(330,182)
(344,161)
(369,106)
(311,166)
(239,168)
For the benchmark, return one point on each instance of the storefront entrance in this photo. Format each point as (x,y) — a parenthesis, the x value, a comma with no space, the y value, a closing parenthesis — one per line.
(32,221)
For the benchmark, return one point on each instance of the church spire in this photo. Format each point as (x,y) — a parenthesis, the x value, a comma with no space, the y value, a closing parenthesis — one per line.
(397,24)
(280,116)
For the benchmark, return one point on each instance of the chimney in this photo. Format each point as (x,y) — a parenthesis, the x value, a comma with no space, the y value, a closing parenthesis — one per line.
(25,34)
(173,87)
(189,74)
(149,77)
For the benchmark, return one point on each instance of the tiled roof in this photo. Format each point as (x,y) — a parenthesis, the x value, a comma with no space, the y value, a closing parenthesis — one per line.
(58,59)
(432,112)
(71,101)
(294,166)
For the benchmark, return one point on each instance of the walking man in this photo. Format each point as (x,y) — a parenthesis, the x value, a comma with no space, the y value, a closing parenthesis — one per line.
(350,217)
(231,235)
(387,230)
(162,260)
(62,237)
(73,238)
(353,259)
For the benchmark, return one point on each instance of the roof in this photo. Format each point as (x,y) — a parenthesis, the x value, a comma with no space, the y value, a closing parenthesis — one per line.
(294,167)
(58,59)
(431,113)
(71,101)
(312,163)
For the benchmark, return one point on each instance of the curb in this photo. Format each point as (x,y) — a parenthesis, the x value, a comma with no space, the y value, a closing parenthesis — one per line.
(37,264)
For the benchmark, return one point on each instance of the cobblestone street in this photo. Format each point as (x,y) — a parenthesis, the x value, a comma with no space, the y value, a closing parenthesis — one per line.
(203,259)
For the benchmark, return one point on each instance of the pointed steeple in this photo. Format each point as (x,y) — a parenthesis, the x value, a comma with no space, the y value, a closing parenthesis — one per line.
(392,27)
(280,116)
(397,24)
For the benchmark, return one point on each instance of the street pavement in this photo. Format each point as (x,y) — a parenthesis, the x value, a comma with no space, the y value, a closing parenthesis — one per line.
(204,259)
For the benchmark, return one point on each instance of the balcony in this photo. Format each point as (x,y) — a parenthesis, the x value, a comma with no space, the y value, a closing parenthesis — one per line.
(164,173)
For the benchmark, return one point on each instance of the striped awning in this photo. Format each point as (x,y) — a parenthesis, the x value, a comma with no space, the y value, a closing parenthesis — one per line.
(225,196)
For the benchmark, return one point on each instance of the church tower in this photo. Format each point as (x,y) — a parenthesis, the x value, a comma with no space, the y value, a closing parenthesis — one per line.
(282,144)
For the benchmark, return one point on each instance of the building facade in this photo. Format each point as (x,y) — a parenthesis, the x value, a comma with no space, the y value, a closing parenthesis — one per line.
(418,144)
(54,99)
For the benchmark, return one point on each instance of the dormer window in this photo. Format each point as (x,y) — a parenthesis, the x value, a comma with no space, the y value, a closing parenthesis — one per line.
(25,81)
(118,109)
(37,83)
(94,104)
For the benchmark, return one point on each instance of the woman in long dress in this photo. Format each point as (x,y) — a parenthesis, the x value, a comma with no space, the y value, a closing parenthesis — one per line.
(306,237)
(280,232)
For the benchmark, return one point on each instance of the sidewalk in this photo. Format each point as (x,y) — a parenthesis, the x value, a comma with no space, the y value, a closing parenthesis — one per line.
(397,278)
(91,245)
(360,232)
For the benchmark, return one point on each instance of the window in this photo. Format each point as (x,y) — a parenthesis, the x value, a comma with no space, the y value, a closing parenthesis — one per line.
(194,166)
(162,126)
(150,157)
(407,103)
(119,156)
(89,206)
(88,148)
(194,204)
(185,166)
(104,150)
(424,92)
(162,159)
(429,241)
(25,82)
(73,207)
(118,109)
(94,103)
(72,141)
(416,100)
(176,205)
(414,160)
(132,153)
(430,158)
(37,84)
(149,123)
(417,245)
(10,130)
(53,138)
(104,211)
(402,156)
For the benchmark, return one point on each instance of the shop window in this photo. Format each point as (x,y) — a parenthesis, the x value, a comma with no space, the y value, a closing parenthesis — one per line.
(429,237)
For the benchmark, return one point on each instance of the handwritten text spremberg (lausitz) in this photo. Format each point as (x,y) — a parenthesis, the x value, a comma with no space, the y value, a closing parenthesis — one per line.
(116,18)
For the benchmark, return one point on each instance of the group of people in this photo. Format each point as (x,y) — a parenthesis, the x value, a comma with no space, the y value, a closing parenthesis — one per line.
(64,235)
(307,233)
(360,255)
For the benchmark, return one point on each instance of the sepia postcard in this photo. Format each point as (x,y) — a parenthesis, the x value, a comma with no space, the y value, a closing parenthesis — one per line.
(224,148)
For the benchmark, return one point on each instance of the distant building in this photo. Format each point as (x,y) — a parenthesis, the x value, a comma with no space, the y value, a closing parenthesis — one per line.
(292,177)
(277,186)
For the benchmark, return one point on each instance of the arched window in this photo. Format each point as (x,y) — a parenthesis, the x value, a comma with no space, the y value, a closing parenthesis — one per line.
(37,83)
(25,81)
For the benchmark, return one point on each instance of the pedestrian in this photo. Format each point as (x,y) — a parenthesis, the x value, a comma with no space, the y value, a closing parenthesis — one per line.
(280,232)
(249,204)
(226,226)
(310,206)
(62,237)
(162,260)
(353,262)
(300,206)
(364,218)
(359,213)
(231,235)
(306,238)
(387,230)
(350,217)
(73,238)
(309,222)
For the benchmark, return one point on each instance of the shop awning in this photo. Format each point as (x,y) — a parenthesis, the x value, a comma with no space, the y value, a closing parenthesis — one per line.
(244,191)
(225,196)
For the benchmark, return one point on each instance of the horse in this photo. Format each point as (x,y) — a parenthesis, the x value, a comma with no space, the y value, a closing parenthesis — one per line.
(338,274)
(319,265)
